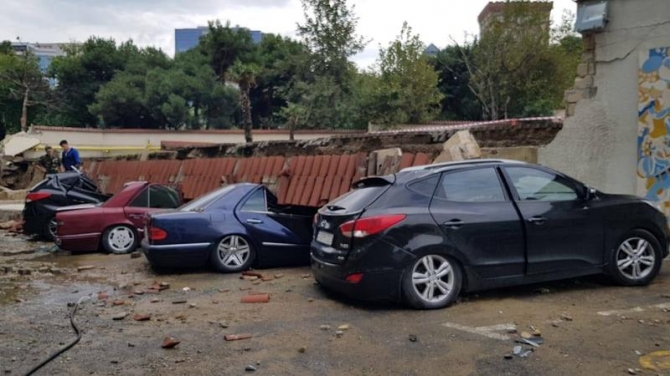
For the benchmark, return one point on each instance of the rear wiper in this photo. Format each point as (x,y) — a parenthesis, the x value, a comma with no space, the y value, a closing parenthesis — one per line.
(334,207)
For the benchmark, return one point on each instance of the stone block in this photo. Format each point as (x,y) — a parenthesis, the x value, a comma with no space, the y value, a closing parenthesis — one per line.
(583,69)
(460,146)
(583,82)
(588,56)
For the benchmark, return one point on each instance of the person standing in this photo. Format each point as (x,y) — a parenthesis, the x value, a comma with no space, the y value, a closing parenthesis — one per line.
(49,162)
(70,157)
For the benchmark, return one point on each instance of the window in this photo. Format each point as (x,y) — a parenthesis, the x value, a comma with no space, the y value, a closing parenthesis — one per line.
(204,201)
(426,186)
(533,184)
(162,197)
(256,202)
(157,197)
(478,185)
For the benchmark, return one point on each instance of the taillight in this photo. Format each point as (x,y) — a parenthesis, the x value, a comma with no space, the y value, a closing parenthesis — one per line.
(156,233)
(36,196)
(354,278)
(369,226)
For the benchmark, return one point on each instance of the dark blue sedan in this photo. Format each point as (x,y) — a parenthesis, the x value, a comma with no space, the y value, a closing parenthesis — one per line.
(231,228)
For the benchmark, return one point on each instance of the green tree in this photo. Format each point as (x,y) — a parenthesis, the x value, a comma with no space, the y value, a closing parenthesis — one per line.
(408,81)
(515,69)
(281,60)
(458,102)
(245,77)
(329,32)
(22,80)
(225,45)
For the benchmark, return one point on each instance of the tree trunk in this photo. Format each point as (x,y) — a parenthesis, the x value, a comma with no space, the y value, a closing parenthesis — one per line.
(291,129)
(246,113)
(24,111)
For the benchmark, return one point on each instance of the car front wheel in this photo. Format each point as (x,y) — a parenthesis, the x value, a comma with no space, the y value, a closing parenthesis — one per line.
(432,281)
(119,239)
(636,260)
(234,253)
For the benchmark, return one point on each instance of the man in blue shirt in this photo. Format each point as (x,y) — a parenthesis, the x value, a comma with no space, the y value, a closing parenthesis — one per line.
(70,157)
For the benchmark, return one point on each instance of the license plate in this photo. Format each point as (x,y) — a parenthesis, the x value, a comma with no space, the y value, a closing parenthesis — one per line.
(324,237)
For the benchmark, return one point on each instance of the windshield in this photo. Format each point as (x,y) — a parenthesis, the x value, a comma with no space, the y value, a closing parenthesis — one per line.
(206,200)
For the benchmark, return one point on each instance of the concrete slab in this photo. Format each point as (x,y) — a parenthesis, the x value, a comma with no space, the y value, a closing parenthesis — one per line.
(10,210)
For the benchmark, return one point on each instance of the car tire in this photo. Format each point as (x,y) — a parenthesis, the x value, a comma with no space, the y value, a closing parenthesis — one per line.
(636,259)
(49,230)
(233,253)
(438,272)
(119,239)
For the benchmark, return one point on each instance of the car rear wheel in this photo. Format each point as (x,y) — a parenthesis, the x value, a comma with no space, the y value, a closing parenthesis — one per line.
(636,260)
(50,230)
(119,239)
(432,281)
(234,253)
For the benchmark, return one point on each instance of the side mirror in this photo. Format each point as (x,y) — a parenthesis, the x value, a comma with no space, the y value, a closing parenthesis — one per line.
(590,193)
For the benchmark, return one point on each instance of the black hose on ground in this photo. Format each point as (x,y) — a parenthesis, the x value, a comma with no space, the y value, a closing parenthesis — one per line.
(68,346)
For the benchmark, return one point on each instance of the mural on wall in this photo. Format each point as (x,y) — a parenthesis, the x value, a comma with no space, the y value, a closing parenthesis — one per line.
(653,139)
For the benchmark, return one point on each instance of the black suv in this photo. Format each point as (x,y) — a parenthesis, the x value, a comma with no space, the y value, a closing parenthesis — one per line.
(67,189)
(426,233)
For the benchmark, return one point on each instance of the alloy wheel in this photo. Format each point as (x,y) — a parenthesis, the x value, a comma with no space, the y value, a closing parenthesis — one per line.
(233,251)
(53,229)
(433,278)
(121,239)
(635,258)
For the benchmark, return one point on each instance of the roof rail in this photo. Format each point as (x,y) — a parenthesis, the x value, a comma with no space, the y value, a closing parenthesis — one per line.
(458,163)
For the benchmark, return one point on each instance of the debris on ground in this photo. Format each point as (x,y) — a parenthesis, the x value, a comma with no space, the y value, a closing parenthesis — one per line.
(236,337)
(135,255)
(413,338)
(250,273)
(509,356)
(277,276)
(302,350)
(542,290)
(525,335)
(250,368)
(120,316)
(339,333)
(169,343)
(141,317)
(85,267)
(179,301)
(261,298)
(631,371)
(343,327)
(224,324)
(517,350)
(566,317)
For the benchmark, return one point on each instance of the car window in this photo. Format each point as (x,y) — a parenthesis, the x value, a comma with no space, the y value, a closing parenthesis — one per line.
(204,201)
(256,202)
(478,185)
(426,186)
(536,185)
(142,200)
(162,197)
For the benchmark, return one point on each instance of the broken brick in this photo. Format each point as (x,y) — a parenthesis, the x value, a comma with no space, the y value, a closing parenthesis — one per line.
(118,302)
(102,296)
(85,267)
(169,343)
(164,286)
(261,298)
(139,292)
(266,279)
(141,317)
(252,274)
(236,337)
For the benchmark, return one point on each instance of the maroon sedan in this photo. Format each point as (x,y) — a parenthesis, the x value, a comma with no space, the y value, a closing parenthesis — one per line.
(116,225)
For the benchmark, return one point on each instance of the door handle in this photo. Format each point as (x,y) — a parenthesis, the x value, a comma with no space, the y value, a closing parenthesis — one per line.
(537,220)
(135,216)
(454,224)
(254,221)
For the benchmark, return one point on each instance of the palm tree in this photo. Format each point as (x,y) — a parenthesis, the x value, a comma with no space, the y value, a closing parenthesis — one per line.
(245,77)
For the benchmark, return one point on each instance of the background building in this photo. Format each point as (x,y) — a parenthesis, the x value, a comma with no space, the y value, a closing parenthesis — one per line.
(185,39)
(45,53)
(616,136)
(495,10)
(431,50)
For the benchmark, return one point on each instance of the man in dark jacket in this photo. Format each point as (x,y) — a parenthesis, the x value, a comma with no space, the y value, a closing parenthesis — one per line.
(70,157)
(49,162)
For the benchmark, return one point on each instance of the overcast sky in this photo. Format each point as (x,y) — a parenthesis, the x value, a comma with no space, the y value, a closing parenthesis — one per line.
(152,22)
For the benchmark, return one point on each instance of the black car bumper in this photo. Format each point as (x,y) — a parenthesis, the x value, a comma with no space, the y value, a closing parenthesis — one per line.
(177,255)
(36,218)
(378,285)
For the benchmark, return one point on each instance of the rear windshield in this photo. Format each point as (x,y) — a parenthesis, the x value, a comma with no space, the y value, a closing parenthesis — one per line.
(357,199)
(206,200)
